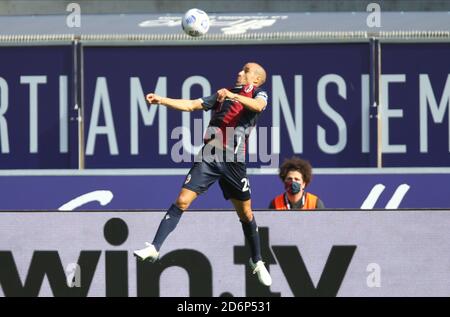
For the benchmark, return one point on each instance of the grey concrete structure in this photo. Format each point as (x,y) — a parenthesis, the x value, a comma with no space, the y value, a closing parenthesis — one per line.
(30,7)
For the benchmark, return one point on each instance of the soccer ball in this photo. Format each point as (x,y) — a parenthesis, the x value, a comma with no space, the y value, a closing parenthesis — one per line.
(195,22)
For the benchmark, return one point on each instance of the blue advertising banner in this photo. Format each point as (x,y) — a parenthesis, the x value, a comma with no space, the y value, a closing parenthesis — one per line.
(95,192)
(36,102)
(318,103)
(416,99)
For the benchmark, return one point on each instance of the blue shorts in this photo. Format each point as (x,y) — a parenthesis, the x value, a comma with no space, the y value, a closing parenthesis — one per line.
(232,178)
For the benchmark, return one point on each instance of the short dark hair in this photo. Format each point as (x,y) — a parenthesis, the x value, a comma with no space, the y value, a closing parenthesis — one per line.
(296,164)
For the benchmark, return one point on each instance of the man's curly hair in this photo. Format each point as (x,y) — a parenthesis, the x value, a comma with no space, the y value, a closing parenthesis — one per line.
(296,164)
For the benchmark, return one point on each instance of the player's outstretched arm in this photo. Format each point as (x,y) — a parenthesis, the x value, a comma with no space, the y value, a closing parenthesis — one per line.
(253,104)
(178,104)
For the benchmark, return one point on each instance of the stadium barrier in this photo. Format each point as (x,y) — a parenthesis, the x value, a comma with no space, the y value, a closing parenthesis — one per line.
(340,99)
(157,190)
(353,253)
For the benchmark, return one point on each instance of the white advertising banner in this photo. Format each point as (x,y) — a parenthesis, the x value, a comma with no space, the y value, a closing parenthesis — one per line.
(332,253)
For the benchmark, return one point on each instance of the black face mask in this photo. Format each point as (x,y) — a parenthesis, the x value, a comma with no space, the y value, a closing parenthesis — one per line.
(292,187)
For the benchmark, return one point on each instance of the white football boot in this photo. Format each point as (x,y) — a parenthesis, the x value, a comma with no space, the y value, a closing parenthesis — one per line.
(148,253)
(261,271)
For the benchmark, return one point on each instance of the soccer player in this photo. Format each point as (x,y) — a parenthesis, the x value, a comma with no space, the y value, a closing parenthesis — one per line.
(236,111)
(296,174)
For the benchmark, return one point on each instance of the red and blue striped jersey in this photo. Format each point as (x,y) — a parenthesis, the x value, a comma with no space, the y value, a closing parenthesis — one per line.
(233,115)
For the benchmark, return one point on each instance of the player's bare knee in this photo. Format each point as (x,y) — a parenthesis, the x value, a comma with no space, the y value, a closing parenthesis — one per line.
(246,216)
(183,202)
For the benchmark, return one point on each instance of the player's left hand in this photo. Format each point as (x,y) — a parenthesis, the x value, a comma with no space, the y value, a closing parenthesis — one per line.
(224,93)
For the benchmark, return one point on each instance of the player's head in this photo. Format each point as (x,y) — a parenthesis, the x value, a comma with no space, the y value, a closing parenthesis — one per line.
(296,170)
(251,73)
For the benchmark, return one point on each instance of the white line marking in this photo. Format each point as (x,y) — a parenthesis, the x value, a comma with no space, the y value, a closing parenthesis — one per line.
(373,196)
(397,198)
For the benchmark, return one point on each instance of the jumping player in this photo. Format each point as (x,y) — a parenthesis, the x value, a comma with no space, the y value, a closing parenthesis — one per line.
(236,111)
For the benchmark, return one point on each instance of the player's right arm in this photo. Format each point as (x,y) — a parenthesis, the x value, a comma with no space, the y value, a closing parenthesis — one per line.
(177,104)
